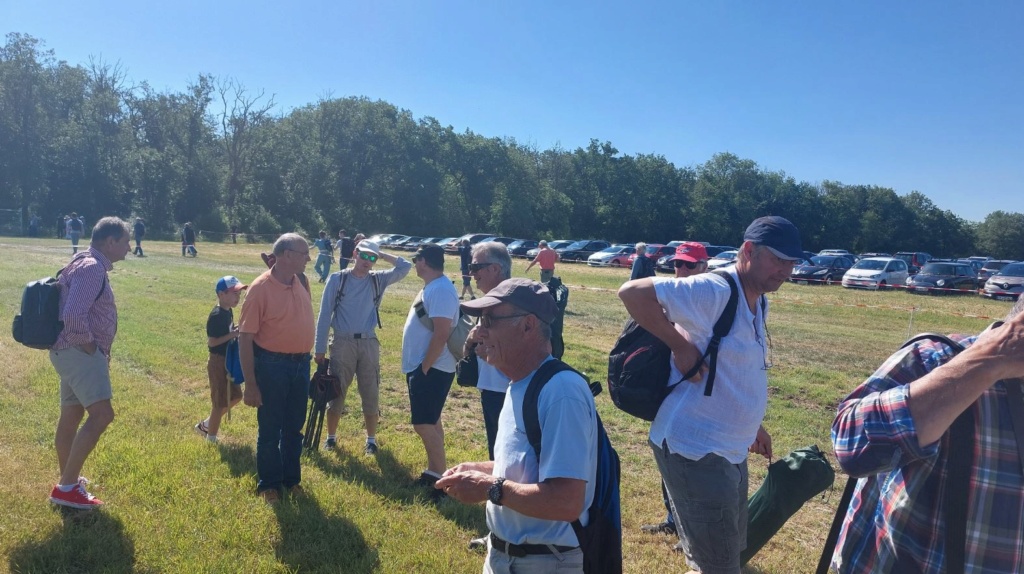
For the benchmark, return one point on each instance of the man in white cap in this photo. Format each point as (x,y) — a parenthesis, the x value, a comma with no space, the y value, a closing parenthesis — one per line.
(349,305)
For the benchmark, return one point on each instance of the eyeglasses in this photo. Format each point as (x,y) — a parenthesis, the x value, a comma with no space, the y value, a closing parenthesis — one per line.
(302,253)
(474,267)
(689,264)
(368,256)
(486,321)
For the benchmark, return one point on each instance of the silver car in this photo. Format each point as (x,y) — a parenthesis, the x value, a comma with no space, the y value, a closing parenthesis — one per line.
(1007,284)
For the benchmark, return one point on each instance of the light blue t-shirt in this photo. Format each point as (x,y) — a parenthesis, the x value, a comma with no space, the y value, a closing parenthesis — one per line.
(568,422)
(726,422)
(440,299)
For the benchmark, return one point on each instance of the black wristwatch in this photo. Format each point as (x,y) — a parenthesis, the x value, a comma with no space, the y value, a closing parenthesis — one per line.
(495,492)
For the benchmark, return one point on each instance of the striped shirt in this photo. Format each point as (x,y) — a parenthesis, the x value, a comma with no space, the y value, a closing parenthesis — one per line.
(895,522)
(87,303)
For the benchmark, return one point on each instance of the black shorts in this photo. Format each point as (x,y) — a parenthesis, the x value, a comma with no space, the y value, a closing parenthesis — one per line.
(427,394)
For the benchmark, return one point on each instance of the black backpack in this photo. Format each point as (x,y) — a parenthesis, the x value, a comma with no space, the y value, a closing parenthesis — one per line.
(639,363)
(76,224)
(601,538)
(38,325)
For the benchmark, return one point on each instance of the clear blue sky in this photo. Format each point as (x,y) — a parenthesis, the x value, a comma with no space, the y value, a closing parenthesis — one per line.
(910,95)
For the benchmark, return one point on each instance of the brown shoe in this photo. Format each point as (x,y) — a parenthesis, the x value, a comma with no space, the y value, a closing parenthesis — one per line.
(270,496)
(297,491)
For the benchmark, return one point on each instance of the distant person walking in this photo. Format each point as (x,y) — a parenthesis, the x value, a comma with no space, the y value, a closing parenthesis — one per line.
(33,226)
(465,259)
(546,259)
(325,255)
(643,266)
(62,222)
(74,231)
(81,357)
(345,247)
(140,232)
(188,240)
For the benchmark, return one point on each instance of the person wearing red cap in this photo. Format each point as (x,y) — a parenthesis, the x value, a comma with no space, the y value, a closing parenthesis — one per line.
(220,330)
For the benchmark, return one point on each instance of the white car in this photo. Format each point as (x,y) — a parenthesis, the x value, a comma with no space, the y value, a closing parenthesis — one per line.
(723,259)
(876,273)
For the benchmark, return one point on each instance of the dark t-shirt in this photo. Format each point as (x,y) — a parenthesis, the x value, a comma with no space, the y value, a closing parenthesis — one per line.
(347,246)
(140,230)
(466,255)
(217,325)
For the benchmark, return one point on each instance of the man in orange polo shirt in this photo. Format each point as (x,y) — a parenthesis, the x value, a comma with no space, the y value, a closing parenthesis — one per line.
(546,258)
(276,331)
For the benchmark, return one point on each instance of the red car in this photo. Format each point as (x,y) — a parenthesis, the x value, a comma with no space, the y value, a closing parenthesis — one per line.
(654,251)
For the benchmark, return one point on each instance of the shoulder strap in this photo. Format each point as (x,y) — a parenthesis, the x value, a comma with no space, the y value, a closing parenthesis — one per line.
(531,418)
(378,294)
(341,292)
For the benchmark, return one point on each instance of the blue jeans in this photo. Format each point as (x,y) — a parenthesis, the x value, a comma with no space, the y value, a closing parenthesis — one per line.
(284,386)
(323,266)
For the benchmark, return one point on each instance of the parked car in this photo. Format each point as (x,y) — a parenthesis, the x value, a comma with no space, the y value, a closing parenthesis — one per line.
(654,251)
(915,259)
(520,247)
(1006,284)
(723,259)
(504,240)
(715,250)
(871,254)
(937,278)
(412,245)
(991,267)
(405,244)
(975,263)
(556,245)
(826,269)
(834,252)
(581,250)
(474,238)
(877,273)
(613,256)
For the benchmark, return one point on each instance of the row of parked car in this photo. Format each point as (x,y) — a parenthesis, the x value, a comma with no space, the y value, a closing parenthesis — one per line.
(995,278)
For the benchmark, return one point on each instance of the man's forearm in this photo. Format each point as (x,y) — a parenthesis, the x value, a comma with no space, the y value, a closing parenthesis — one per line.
(937,399)
(246,357)
(642,303)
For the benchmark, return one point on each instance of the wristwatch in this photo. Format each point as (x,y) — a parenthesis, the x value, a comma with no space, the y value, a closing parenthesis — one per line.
(495,492)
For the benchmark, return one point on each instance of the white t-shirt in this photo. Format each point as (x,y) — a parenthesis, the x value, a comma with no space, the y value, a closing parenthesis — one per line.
(440,300)
(490,378)
(726,422)
(568,422)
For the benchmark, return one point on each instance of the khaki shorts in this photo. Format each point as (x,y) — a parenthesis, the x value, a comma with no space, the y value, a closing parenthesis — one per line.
(546,275)
(359,358)
(84,378)
(220,389)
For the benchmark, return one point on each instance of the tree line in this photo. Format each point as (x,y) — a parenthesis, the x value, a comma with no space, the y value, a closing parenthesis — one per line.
(80,138)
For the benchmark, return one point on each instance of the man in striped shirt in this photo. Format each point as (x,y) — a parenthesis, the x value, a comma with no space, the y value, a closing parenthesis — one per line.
(81,357)
(893,433)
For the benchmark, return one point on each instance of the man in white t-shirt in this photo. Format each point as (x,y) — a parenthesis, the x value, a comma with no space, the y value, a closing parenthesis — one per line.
(531,500)
(428,365)
(701,453)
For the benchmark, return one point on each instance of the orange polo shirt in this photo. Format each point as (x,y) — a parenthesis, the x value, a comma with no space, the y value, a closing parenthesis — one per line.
(279,316)
(546,259)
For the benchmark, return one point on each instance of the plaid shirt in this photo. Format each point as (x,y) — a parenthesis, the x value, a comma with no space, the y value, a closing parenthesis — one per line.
(895,519)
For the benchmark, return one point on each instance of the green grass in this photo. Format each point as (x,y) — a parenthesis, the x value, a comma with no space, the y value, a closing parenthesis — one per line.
(178,504)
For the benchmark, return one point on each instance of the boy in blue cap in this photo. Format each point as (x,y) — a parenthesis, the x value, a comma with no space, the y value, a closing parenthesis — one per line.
(220,330)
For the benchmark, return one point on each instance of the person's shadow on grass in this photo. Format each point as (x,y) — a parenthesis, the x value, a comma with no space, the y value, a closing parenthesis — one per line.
(88,541)
(394,482)
(312,541)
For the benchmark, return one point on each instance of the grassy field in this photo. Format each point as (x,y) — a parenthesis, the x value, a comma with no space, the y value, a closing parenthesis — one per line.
(178,504)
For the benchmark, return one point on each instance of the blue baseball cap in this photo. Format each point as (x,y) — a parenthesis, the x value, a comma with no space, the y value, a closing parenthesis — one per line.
(778,234)
(230,283)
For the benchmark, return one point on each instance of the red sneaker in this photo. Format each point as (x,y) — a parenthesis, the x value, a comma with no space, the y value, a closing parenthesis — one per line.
(77,498)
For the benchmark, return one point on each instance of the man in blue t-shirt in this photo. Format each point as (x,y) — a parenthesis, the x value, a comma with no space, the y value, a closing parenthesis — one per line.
(531,503)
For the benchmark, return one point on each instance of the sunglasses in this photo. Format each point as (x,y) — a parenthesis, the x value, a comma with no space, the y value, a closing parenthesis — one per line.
(689,264)
(486,321)
(368,256)
(474,267)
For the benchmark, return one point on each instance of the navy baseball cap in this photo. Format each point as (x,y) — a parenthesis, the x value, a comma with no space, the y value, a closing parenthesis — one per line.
(778,235)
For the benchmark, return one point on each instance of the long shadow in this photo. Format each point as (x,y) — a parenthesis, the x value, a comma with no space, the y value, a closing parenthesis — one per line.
(240,459)
(88,541)
(312,541)
(389,479)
